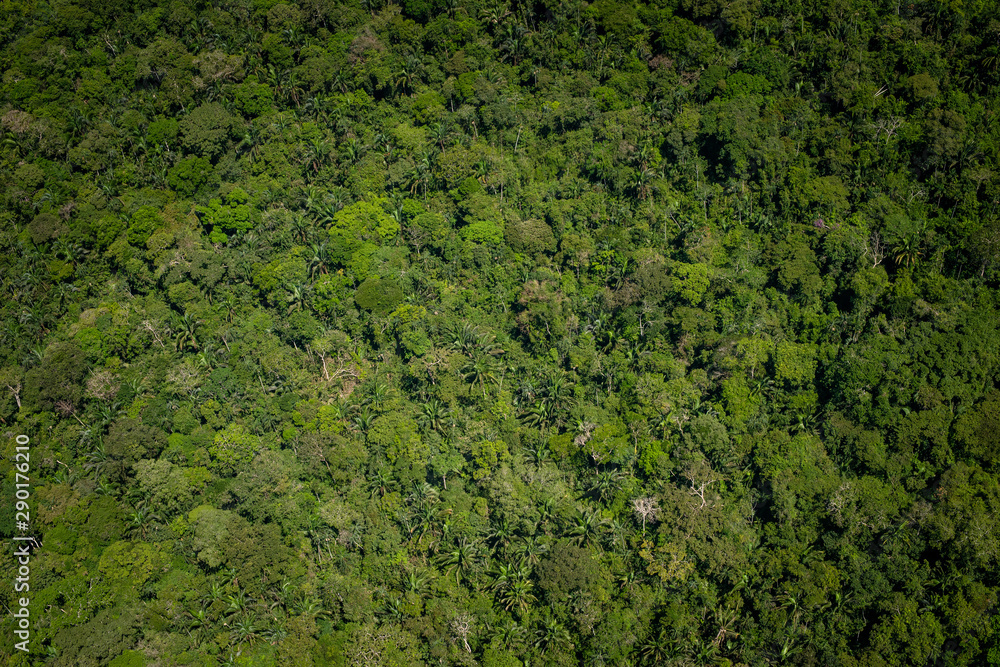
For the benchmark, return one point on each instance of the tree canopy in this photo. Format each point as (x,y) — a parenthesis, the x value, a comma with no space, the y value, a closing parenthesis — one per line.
(488,332)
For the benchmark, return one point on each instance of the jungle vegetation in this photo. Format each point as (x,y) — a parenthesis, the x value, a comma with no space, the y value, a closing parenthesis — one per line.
(489,332)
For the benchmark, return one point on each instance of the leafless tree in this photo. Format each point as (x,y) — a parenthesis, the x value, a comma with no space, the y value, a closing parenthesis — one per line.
(874,249)
(15,389)
(647,509)
(461,625)
(701,476)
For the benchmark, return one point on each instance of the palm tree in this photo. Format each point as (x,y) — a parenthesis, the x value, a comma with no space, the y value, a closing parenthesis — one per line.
(510,636)
(66,476)
(540,452)
(496,12)
(641,183)
(214,594)
(794,602)
(907,251)
(392,608)
(515,42)
(105,488)
(363,418)
(378,393)
(310,196)
(480,369)
(187,334)
(605,483)
(513,587)
(557,393)
(502,576)
(96,460)
(244,630)
(141,519)
(297,297)
(340,81)
(320,258)
(501,535)
(445,526)
(461,558)
(79,121)
(199,620)
(587,527)
(419,175)
(275,635)
(659,648)
(466,338)
(519,595)
(439,133)
(317,153)
(380,482)
(318,533)
(423,494)
(530,550)
(352,150)
(69,251)
(546,511)
(230,575)
(310,606)
(434,415)
(383,144)
(237,602)
(662,422)
(416,583)
(482,170)
(251,143)
(550,634)
(538,415)
(407,74)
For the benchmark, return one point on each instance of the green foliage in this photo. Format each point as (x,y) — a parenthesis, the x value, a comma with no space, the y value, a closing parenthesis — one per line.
(396,437)
(433,228)
(57,379)
(378,295)
(62,540)
(190,175)
(128,566)
(235,215)
(690,282)
(486,455)
(168,487)
(274,278)
(210,530)
(969,496)
(253,99)
(365,220)
(977,432)
(130,440)
(207,130)
(129,658)
(569,569)
(795,363)
(530,237)
(162,131)
(483,231)
(144,222)
(101,638)
(503,333)
(233,448)
(45,227)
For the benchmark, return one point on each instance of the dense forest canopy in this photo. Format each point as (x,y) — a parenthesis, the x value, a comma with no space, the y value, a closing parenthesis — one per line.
(503,333)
